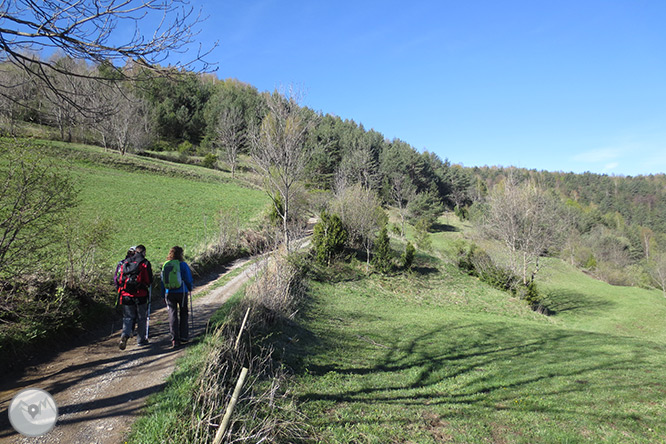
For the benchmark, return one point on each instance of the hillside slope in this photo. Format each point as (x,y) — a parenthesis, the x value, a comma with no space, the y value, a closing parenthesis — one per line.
(154,202)
(439,357)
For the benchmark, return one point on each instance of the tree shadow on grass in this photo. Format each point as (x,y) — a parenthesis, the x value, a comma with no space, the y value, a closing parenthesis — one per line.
(439,227)
(561,301)
(423,270)
(480,368)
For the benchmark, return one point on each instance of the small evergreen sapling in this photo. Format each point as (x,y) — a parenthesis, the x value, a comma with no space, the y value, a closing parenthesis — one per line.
(383,258)
(329,238)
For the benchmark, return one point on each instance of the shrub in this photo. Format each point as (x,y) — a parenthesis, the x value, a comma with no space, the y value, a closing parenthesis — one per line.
(185,147)
(209,160)
(383,257)
(476,262)
(461,212)
(529,294)
(422,237)
(408,256)
(591,263)
(329,238)
(162,145)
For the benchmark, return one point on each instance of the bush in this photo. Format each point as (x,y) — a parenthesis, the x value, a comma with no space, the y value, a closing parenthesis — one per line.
(185,147)
(614,274)
(383,255)
(476,262)
(408,256)
(422,237)
(461,212)
(162,145)
(329,238)
(529,294)
(209,160)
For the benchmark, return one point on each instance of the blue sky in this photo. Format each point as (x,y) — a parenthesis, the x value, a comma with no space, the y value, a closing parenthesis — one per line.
(551,85)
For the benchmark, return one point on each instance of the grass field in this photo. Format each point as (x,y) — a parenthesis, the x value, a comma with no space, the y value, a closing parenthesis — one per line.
(440,357)
(152,202)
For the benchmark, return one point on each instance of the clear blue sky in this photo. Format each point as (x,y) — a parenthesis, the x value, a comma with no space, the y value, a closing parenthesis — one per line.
(552,85)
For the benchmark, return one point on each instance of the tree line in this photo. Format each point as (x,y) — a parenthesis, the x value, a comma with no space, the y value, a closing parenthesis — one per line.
(200,114)
(614,225)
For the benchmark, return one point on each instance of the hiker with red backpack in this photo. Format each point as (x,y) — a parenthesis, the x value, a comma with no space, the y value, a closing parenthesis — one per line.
(116,276)
(136,276)
(177,282)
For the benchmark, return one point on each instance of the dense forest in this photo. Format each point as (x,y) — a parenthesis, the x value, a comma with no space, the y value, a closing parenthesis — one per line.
(617,224)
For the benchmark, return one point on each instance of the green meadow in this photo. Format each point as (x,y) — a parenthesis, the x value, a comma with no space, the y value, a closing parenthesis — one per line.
(153,202)
(437,356)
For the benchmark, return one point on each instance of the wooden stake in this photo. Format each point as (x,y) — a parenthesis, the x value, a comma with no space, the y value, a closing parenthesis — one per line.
(241,329)
(230,407)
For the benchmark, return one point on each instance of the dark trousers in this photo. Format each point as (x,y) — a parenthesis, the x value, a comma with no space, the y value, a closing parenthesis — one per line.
(135,311)
(177,305)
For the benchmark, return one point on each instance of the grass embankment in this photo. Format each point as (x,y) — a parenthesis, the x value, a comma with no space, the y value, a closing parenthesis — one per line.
(440,357)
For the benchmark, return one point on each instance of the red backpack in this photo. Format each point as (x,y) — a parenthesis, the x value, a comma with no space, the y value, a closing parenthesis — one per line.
(129,274)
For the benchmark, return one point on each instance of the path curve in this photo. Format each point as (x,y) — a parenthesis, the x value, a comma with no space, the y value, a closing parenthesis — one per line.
(100,390)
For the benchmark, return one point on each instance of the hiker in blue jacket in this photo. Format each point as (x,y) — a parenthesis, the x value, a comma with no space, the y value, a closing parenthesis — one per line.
(176,283)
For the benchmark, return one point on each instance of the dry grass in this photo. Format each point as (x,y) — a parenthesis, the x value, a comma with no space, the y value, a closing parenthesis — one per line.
(265,411)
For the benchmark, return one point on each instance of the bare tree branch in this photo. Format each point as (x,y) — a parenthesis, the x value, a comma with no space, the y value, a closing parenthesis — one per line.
(279,150)
(90,30)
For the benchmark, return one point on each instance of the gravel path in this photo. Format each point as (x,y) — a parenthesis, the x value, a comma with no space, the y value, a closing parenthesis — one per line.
(100,390)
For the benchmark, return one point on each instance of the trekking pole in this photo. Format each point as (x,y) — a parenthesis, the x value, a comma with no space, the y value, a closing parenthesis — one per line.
(191,312)
(150,298)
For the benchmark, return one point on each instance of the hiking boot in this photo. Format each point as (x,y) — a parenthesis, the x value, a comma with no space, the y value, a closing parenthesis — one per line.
(123,342)
(184,341)
(143,342)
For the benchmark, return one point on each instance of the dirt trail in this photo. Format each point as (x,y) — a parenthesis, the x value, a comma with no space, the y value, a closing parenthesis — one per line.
(100,390)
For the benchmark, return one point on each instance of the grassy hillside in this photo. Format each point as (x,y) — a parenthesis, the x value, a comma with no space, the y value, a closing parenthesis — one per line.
(440,357)
(589,304)
(153,202)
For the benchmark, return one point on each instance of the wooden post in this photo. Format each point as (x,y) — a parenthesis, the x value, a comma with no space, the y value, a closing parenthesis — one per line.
(241,329)
(230,407)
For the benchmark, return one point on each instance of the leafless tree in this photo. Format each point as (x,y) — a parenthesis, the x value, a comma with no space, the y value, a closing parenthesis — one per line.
(402,191)
(527,221)
(65,113)
(279,151)
(128,125)
(22,91)
(357,166)
(230,136)
(88,30)
(34,198)
(361,213)
(647,238)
